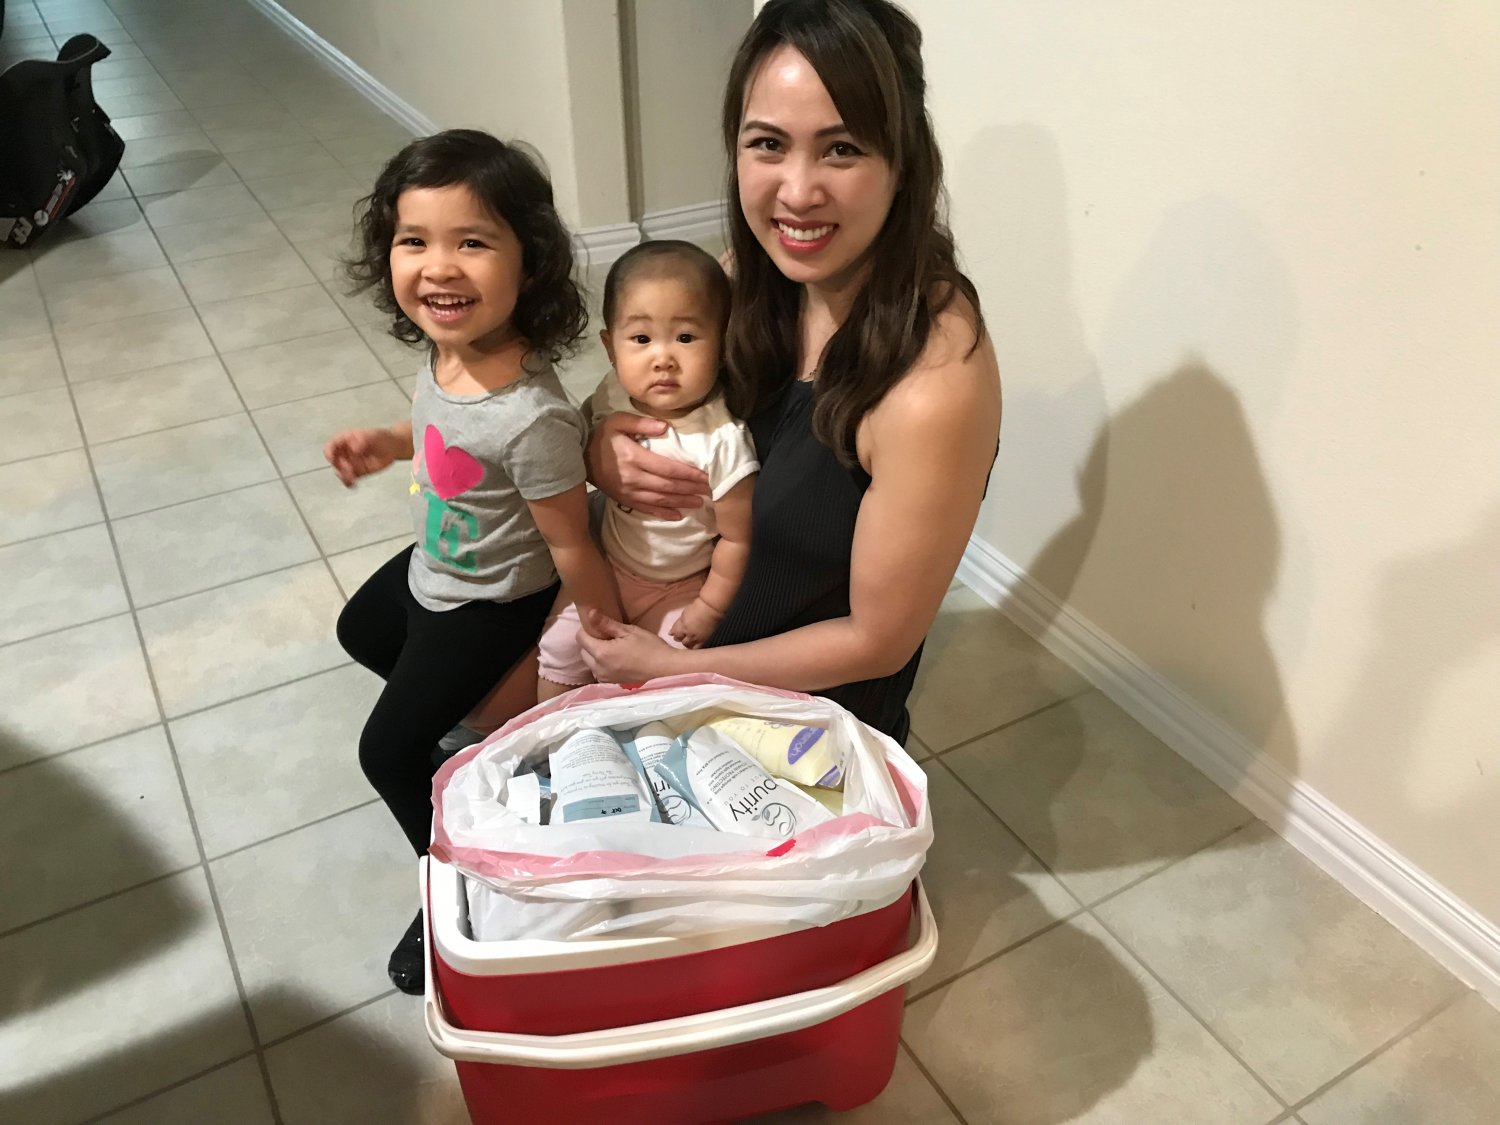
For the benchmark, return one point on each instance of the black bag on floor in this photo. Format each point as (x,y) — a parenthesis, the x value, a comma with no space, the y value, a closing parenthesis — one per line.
(57,147)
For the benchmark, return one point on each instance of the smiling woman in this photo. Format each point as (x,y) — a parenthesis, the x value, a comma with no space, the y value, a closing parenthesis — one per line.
(870,384)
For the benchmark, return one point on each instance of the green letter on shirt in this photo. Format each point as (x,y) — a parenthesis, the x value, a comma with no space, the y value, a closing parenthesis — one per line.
(446,530)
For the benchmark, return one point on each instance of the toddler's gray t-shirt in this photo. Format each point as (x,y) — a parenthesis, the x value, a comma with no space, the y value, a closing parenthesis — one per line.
(477,460)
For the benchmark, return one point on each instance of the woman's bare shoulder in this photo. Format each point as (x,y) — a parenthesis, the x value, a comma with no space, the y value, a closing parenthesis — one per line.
(957,365)
(947,406)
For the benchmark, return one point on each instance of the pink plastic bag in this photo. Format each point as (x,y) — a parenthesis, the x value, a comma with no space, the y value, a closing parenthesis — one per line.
(641,879)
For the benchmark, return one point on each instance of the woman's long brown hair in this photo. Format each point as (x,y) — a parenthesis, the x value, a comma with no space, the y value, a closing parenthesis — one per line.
(868,54)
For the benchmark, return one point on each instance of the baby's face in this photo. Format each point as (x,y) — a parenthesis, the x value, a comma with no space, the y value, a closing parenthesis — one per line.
(664,344)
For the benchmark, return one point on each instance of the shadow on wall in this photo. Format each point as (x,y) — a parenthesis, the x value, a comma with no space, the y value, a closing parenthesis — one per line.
(1434,631)
(1177,549)
(1174,546)
(984,904)
(61,967)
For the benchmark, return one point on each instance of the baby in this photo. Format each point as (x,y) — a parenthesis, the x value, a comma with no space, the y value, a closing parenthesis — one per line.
(665,308)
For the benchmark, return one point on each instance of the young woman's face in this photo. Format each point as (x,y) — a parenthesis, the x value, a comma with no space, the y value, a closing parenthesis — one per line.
(455,268)
(814,197)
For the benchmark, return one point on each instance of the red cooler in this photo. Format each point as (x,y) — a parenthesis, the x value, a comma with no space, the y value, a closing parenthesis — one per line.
(670,1031)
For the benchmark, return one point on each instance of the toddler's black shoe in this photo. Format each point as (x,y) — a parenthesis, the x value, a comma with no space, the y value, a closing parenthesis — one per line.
(459,738)
(407,966)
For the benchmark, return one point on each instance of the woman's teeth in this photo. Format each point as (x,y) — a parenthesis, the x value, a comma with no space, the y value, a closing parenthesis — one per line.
(798,235)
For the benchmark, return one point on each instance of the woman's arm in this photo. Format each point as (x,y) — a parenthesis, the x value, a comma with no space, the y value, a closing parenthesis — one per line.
(928,447)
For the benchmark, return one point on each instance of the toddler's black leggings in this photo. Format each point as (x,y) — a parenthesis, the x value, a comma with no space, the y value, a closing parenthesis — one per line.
(436,667)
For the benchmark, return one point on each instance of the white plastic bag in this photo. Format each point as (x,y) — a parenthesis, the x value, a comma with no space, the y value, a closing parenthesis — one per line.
(656,879)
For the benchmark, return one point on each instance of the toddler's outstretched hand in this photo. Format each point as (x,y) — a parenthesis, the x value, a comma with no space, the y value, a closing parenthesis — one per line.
(696,625)
(358,453)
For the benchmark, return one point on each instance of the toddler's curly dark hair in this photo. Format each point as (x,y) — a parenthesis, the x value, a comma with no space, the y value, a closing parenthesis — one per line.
(507,179)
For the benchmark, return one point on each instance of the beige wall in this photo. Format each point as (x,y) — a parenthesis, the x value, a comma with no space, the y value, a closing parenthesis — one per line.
(1240,263)
(591,35)
(539,70)
(681,54)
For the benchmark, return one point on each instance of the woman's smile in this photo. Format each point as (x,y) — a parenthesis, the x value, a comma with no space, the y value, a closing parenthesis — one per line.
(797,165)
(804,237)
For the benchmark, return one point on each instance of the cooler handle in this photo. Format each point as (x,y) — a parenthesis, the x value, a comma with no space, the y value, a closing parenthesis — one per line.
(685,1034)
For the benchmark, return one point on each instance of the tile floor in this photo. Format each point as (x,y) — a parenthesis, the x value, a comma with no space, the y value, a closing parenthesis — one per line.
(187,936)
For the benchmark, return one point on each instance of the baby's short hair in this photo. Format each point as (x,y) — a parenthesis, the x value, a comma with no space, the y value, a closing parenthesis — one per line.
(667,257)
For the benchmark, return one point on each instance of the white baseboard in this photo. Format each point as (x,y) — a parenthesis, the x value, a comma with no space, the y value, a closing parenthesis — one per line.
(1464,942)
(380,95)
(596,246)
(701,222)
(599,246)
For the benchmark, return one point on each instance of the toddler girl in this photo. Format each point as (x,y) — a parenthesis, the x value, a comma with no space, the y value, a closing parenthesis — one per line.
(665,307)
(462,246)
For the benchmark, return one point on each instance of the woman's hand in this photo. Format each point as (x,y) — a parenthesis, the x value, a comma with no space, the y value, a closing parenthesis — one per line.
(624,654)
(638,478)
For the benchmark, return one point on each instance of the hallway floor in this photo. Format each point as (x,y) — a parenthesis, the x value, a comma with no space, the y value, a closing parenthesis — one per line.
(200,890)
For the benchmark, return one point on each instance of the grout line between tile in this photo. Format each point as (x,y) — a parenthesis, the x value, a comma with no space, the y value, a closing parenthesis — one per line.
(77,906)
(1003,726)
(48,534)
(195,499)
(149,433)
(1192,1012)
(73,625)
(259,433)
(1171,863)
(280,472)
(194,593)
(175,718)
(261,691)
(1411,1029)
(279,1040)
(260,1048)
(983,961)
(1086,909)
(159,54)
(289,831)
(1045,866)
(225,585)
(927,1074)
(14,766)
(47,453)
(316,394)
(167,1089)
(213,892)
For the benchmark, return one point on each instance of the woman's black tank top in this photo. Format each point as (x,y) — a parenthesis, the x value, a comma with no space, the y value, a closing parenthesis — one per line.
(802,533)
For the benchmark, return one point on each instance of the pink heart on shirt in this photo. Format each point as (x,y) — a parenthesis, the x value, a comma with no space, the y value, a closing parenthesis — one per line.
(450,469)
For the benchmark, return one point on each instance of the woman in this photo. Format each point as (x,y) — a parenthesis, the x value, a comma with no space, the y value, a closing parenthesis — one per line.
(857,350)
